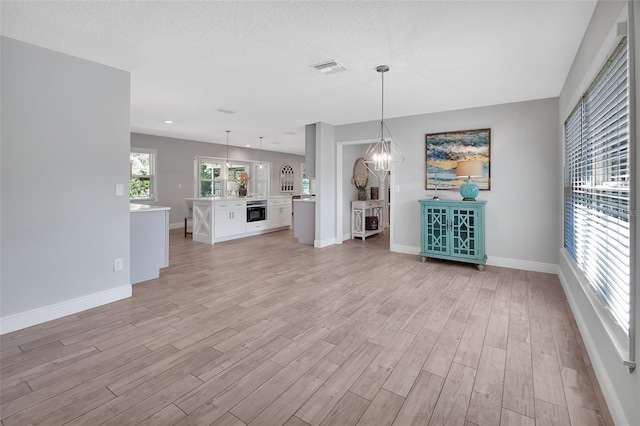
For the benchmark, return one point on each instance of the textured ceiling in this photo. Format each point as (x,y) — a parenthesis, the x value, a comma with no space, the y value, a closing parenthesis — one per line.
(189,59)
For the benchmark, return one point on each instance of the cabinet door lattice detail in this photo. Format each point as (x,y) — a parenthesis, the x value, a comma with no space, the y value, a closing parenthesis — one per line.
(464,230)
(437,232)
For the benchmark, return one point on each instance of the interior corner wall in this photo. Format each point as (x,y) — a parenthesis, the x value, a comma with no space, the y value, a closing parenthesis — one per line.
(65,145)
(326,170)
(620,388)
(175,168)
(521,211)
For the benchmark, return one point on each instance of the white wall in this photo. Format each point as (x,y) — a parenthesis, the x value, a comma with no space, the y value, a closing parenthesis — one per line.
(65,145)
(620,388)
(176,173)
(521,210)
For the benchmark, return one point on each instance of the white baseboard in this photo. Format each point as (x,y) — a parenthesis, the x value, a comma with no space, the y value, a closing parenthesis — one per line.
(58,310)
(525,265)
(599,367)
(404,249)
(179,225)
(324,243)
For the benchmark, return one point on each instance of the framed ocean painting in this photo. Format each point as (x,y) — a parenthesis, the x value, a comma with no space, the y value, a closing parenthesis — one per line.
(444,150)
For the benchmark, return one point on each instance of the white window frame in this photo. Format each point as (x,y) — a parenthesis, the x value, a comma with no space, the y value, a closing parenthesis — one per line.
(621,334)
(153,174)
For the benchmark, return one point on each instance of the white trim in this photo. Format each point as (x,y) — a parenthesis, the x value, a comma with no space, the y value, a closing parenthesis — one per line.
(404,249)
(599,368)
(58,310)
(608,45)
(503,262)
(324,243)
(525,265)
(177,225)
(615,333)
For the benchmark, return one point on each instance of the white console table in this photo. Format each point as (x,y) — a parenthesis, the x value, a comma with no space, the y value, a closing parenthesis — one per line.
(359,211)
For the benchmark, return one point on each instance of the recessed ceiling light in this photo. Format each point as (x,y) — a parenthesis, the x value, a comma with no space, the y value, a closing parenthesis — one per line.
(329,67)
(248,146)
(290,133)
(226,111)
(168,122)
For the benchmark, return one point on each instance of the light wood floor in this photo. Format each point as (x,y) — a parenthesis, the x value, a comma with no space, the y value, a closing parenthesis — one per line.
(264,331)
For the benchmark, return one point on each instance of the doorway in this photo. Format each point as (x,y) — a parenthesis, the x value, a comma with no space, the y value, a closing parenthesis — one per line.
(347,153)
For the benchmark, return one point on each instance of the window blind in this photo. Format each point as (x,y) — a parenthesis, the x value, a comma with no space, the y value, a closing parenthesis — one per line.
(597,186)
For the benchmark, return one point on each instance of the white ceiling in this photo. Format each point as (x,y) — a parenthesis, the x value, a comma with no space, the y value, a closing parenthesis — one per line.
(188,59)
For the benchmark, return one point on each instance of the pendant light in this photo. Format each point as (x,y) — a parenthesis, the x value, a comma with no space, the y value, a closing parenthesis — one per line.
(383,156)
(228,163)
(260,152)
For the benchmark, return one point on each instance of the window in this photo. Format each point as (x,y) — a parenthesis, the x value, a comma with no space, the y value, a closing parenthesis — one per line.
(209,178)
(306,182)
(215,179)
(597,187)
(142,165)
(261,179)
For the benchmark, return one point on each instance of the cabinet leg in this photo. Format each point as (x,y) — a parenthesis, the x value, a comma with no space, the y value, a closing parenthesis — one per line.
(480,268)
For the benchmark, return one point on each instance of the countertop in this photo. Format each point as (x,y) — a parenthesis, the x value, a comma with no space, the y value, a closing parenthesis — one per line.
(140,208)
(249,197)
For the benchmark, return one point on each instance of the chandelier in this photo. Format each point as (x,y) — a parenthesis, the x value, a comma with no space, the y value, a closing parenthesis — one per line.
(383,156)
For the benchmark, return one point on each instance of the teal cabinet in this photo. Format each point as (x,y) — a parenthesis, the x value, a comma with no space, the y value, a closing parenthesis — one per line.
(453,230)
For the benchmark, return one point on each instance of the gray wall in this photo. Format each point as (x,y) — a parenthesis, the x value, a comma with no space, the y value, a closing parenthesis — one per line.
(521,212)
(175,167)
(621,389)
(65,145)
(326,170)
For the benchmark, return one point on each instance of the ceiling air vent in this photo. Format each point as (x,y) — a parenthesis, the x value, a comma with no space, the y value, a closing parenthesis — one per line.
(226,111)
(330,67)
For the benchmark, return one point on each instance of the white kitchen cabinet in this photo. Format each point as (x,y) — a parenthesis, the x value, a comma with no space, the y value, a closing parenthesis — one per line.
(279,214)
(230,218)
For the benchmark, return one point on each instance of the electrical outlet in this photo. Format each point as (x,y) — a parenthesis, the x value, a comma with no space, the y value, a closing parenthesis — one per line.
(119,190)
(117,264)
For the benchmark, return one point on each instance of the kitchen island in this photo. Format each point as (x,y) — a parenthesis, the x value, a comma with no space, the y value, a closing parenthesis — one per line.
(217,219)
(149,241)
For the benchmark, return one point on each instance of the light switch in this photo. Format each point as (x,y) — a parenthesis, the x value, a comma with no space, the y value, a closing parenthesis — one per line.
(119,190)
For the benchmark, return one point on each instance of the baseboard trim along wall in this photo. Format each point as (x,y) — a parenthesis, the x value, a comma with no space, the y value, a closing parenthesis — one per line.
(324,243)
(503,262)
(525,265)
(58,310)
(599,366)
(397,248)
